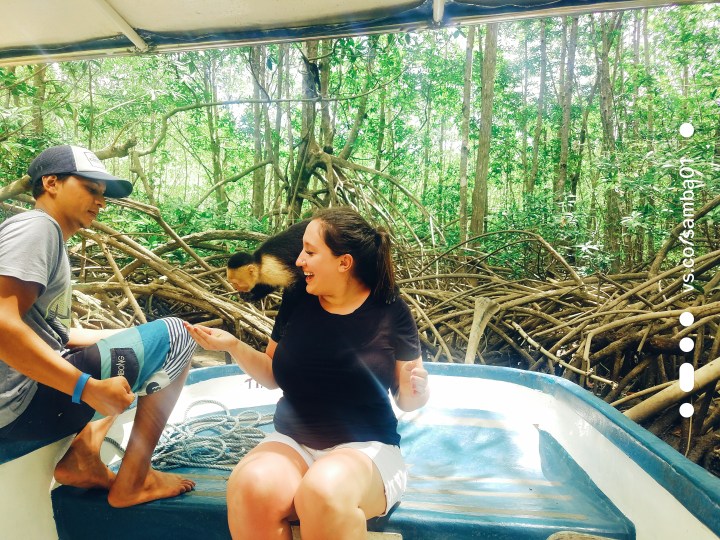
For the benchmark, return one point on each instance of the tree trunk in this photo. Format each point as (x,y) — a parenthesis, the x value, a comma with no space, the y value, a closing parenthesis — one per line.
(566,97)
(308,154)
(582,140)
(607,113)
(440,212)
(210,95)
(283,53)
(257,65)
(636,76)
(635,129)
(648,89)
(362,105)
(524,115)
(10,97)
(39,100)
(91,105)
(532,179)
(288,113)
(137,169)
(427,138)
(479,198)
(464,132)
(391,152)
(607,118)
(650,237)
(327,131)
(380,135)
(618,81)
(716,158)
(563,56)
(326,127)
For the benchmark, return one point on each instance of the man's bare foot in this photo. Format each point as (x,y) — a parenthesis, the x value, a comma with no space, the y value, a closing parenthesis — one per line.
(81,468)
(81,465)
(157,485)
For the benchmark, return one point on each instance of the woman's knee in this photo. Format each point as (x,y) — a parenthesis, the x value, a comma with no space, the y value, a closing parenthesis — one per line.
(261,484)
(340,484)
(258,501)
(253,482)
(326,488)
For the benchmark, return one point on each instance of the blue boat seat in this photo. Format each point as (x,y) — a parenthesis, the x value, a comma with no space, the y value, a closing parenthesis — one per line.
(484,476)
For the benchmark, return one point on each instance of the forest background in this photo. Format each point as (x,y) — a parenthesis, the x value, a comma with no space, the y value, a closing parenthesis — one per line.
(547,212)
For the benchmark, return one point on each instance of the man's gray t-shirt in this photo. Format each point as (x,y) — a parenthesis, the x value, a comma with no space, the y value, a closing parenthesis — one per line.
(32,249)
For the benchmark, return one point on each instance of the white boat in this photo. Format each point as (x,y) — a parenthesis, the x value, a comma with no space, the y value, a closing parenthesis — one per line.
(496,453)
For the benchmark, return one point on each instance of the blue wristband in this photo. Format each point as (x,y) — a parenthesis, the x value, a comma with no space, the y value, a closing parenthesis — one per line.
(79,387)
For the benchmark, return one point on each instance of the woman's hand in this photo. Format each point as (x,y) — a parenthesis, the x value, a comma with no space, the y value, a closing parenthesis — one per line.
(212,339)
(414,377)
(255,363)
(413,390)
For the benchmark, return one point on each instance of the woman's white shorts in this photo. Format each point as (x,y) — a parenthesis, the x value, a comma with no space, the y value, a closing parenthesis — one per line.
(386,457)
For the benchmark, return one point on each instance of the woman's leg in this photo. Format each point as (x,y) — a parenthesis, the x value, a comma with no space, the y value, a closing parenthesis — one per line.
(337,496)
(261,490)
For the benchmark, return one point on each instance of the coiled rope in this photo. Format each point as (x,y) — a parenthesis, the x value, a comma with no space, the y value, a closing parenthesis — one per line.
(215,441)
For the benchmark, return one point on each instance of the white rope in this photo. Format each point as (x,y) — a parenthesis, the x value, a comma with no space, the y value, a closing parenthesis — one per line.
(215,441)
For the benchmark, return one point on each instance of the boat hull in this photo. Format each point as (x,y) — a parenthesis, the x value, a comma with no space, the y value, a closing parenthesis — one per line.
(497,453)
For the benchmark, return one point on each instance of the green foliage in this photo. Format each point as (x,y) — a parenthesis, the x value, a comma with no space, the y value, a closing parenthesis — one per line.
(416,81)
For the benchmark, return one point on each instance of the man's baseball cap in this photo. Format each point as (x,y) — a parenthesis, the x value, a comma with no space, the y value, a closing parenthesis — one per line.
(66,159)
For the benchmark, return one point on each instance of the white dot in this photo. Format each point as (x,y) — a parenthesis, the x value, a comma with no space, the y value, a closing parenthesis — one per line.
(687,130)
(686,377)
(686,410)
(687,318)
(687,344)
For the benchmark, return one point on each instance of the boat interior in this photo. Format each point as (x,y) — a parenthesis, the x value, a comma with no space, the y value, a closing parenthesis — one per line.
(474,474)
(522,457)
(506,455)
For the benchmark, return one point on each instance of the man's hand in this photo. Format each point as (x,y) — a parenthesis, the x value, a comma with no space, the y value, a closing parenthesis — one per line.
(108,396)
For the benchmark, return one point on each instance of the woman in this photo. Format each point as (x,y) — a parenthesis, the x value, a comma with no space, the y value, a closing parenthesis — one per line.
(334,461)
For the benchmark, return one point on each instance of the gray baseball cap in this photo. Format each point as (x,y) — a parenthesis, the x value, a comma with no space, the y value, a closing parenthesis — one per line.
(66,159)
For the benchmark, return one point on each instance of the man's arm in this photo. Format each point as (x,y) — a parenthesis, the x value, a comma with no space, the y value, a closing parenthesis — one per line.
(22,349)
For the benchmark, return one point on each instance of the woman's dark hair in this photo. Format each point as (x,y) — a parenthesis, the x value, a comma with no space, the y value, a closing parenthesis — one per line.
(347,232)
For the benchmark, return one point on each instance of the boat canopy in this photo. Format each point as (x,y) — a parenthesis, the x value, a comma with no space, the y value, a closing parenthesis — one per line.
(36,31)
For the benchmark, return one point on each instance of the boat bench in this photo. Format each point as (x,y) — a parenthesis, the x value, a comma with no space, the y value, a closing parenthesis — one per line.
(472,474)
(26,471)
(10,450)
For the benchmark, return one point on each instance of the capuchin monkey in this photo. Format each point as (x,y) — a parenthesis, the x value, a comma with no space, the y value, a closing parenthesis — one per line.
(270,266)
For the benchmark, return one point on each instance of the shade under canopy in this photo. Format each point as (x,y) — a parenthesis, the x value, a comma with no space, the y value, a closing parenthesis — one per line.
(53,30)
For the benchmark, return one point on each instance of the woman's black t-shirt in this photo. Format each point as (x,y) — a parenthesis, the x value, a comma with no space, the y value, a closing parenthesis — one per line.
(335,370)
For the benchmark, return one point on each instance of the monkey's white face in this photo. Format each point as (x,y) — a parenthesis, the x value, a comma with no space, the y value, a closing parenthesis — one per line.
(243,278)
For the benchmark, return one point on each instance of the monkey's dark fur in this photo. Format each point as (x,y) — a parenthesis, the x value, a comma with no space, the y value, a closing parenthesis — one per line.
(270,266)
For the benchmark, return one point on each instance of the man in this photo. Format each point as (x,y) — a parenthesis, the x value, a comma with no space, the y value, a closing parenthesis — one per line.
(52,377)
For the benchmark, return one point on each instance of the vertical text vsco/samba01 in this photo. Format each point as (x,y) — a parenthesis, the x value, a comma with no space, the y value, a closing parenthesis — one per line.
(690,184)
